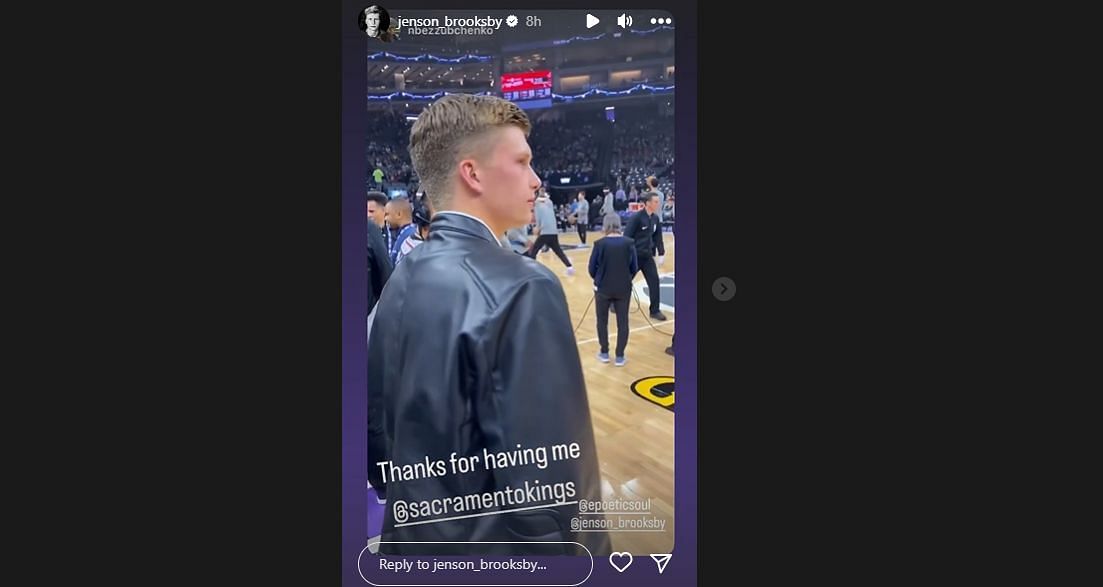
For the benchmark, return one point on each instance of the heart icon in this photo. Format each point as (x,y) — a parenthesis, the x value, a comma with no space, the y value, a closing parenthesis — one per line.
(620,555)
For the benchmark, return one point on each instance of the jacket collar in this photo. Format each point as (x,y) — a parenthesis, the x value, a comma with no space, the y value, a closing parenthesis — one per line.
(452,221)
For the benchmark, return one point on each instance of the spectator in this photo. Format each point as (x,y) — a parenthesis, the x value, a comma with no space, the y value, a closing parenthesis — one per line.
(422,216)
(400,221)
(612,265)
(376,211)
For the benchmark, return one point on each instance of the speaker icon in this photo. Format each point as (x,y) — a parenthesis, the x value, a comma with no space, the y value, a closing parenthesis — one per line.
(624,21)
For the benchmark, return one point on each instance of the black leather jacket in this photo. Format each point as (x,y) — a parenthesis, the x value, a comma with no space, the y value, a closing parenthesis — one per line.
(379,265)
(472,351)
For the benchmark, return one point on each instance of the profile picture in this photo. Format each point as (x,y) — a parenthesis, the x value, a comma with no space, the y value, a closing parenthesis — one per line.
(376,23)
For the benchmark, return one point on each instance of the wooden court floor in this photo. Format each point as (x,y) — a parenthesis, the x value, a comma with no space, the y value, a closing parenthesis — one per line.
(635,438)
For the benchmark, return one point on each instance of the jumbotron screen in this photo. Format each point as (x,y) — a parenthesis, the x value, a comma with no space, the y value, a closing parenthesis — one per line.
(531,89)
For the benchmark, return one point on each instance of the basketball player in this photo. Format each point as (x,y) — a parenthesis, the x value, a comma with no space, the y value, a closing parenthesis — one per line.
(612,265)
(607,204)
(582,216)
(473,352)
(644,228)
(547,233)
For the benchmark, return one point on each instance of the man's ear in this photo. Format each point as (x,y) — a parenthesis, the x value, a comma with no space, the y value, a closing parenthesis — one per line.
(469,175)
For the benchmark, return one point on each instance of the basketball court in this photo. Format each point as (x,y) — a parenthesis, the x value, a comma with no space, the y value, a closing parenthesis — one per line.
(635,436)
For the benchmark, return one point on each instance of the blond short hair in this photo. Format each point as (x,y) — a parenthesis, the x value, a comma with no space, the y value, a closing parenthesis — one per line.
(448,129)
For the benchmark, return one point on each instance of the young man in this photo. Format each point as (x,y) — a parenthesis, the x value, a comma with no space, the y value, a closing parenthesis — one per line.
(373,20)
(546,232)
(612,265)
(582,216)
(377,202)
(379,262)
(472,354)
(376,22)
(379,271)
(644,229)
(379,265)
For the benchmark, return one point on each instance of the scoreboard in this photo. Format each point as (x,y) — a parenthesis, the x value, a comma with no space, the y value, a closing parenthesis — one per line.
(532,89)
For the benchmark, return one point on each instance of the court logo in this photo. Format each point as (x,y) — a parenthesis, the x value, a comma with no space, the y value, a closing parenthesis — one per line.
(658,390)
(375,21)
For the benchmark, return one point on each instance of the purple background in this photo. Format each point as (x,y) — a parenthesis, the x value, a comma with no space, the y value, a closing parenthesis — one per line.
(682,568)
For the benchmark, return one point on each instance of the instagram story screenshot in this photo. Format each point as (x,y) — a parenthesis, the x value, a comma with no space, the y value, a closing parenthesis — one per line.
(469,347)
(518,285)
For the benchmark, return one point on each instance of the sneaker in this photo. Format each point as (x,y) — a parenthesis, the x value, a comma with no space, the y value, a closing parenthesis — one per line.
(570,270)
(620,361)
(658,316)
(603,357)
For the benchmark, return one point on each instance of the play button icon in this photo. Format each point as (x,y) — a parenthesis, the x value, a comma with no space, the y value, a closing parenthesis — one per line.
(591,20)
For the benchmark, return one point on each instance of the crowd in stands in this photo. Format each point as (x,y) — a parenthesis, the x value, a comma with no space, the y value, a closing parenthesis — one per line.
(560,148)
(388,136)
(557,149)
(642,147)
